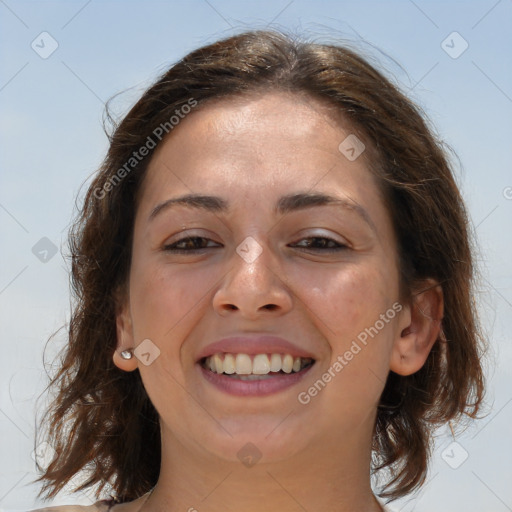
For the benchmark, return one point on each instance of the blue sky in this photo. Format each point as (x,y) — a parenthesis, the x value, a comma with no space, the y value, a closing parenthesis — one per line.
(51,141)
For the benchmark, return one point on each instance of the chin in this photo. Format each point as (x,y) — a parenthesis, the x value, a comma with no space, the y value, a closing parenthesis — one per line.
(257,440)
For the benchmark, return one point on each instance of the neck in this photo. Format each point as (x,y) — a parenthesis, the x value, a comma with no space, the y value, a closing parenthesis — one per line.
(325,478)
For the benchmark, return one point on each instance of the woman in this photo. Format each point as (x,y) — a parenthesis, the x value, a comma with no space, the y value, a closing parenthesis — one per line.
(273,282)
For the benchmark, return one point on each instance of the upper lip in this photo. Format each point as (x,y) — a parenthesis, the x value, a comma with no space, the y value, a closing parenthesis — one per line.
(252,345)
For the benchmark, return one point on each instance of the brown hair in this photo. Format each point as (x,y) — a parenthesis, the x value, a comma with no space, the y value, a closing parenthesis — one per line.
(100,410)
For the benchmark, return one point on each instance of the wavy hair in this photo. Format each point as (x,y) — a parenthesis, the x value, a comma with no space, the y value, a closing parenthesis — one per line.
(99,409)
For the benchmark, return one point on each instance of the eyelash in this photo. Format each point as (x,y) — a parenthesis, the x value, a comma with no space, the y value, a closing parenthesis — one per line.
(172,247)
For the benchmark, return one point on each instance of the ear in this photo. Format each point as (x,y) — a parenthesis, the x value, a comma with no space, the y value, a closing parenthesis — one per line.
(125,340)
(421,325)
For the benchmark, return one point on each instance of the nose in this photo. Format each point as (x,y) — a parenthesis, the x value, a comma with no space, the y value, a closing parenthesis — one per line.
(253,286)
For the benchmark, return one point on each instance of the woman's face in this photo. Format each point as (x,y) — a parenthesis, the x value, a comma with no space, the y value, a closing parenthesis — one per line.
(267,257)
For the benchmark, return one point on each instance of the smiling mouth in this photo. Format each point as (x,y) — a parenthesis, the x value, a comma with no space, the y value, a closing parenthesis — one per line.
(255,367)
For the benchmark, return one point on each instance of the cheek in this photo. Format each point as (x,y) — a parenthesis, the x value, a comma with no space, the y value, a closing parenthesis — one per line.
(349,300)
(162,298)
(165,305)
(351,305)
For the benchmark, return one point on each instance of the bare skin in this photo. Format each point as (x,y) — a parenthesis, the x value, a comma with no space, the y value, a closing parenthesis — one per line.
(315,456)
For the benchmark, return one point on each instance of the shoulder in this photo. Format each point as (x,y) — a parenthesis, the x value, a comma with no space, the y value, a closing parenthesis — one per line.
(99,506)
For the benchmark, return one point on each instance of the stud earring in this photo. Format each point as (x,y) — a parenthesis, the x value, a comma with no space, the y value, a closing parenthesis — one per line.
(127,354)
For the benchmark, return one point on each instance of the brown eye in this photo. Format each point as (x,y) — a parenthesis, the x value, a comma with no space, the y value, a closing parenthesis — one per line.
(188,244)
(320,243)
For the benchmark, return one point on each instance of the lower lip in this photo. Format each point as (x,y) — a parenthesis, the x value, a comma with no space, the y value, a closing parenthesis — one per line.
(253,387)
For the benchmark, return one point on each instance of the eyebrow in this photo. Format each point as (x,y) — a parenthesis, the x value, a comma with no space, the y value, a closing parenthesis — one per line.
(285,204)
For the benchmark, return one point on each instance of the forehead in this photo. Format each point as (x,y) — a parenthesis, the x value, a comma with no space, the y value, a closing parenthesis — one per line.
(258,142)
(298,113)
(259,122)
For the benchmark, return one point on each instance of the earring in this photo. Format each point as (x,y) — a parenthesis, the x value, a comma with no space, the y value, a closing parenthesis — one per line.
(127,354)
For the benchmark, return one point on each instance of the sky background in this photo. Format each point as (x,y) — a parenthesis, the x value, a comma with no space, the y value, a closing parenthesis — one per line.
(52,140)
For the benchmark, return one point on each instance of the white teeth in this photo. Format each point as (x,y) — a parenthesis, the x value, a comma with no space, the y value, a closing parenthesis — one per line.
(219,365)
(229,364)
(260,364)
(254,366)
(287,363)
(243,364)
(275,362)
